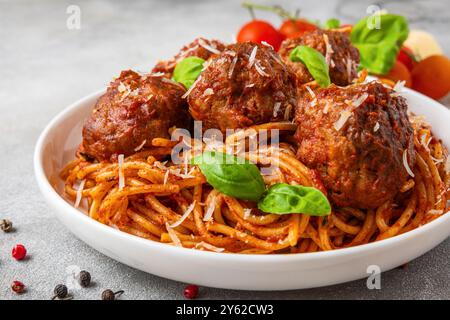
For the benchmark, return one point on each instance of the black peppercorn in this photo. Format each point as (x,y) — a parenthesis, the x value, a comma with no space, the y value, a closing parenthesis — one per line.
(60,292)
(6,225)
(110,295)
(84,278)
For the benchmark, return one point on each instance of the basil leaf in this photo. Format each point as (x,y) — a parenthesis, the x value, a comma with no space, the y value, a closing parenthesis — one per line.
(378,48)
(332,23)
(236,177)
(314,62)
(187,70)
(282,198)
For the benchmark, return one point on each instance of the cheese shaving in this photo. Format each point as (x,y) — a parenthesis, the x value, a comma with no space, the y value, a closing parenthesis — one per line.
(260,69)
(266,44)
(247,212)
(233,64)
(276,109)
(166,177)
(140,146)
(209,212)
(173,236)
(405,163)
(328,50)
(399,86)
(251,59)
(342,120)
(184,216)
(376,127)
(191,88)
(121,175)
(313,96)
(208,246)
(208,92)
(208,47)
(79,193)
(436,212)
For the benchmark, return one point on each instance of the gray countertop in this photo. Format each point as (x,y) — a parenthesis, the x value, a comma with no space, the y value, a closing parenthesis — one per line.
(44,67)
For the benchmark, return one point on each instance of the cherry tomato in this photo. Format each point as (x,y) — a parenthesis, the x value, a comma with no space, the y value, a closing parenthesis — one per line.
(406,56)
(294,29)
(258,31)
(431,76)
(399,73)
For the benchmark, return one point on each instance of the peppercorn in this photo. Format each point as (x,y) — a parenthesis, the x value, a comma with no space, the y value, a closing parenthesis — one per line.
(84,278)
(110,295)
(60,292)
(19,252)
(6,225)
(18,287)
(191,291)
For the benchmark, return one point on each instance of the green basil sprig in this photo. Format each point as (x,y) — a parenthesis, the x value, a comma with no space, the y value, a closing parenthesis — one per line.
(187,70)
(239,178)
(282,198)
(379,47)
(332,23)
(314,62)
(236,177)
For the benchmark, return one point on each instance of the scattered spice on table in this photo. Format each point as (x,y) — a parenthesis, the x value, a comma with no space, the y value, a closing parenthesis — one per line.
(84,278)
(110,295)
(191,291)
(61,292)
(19,252)
(18,287)
(6,225)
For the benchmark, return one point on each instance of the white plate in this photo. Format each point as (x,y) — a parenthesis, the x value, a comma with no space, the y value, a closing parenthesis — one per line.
(58,142)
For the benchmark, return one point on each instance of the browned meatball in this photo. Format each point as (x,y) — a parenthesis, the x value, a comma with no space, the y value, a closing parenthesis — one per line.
(200,47)
(247,84)
(355,138)
(134,110)
(341,56)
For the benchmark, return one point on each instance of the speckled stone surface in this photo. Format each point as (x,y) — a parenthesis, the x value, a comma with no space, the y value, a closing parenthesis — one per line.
(44,67)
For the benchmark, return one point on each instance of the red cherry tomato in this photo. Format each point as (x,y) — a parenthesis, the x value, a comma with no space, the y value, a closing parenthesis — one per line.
(293,29)
(258,31)
(406,57)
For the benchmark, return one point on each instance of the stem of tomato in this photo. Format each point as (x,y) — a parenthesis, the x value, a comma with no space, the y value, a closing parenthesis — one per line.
(284,14)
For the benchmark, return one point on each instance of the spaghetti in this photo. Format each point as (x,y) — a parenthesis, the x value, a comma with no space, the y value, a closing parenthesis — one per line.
(174,204)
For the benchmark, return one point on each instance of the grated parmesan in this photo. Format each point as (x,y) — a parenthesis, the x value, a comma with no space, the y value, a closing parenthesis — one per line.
(399,85)
(173,236)
(260,69)
(251,59)
(140,146)
(287,112)
(79,193)
(208,247)
(184,216)
(166,177)
(233,64)
(313,96)
(342,120)
(208,92)
(267,44)
(328,51)
(434,211)
(191,88)
(247,212)
(447,165)
(276,109)
(376,127)
(209,212)
(121,175)
(202,43)
(405,163)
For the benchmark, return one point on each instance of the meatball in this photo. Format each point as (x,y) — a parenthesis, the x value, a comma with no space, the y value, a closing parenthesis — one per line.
(355,138)
(134,110)
(200,47)
(246,84)
(341,56)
